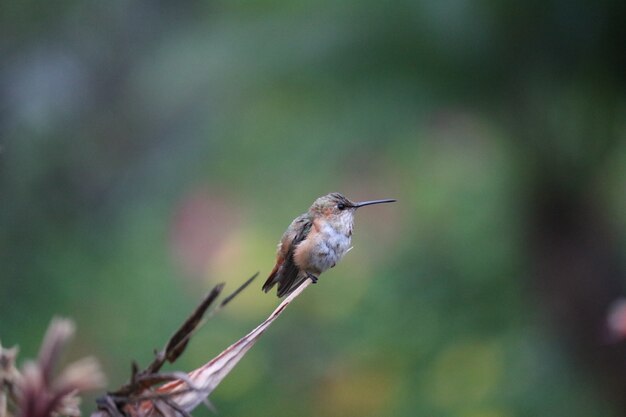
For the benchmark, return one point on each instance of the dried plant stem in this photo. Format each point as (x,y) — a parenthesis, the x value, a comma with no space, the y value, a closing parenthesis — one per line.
(207,377)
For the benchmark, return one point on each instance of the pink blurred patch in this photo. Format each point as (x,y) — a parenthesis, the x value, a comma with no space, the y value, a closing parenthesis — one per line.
(201,223)
(616,319)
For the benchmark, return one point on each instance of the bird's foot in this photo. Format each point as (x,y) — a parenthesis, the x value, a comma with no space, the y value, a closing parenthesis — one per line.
(312,277)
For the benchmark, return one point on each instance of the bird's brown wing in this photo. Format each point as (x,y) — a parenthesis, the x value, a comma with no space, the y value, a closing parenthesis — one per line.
(286,274)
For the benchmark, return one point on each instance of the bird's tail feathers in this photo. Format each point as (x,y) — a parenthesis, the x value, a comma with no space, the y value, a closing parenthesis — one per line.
(286,287)
(272,279)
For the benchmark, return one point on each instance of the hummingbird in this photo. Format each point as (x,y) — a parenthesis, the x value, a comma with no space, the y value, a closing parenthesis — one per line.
(314,242)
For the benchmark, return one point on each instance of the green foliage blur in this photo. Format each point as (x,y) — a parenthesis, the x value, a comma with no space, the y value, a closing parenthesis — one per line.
(149,150)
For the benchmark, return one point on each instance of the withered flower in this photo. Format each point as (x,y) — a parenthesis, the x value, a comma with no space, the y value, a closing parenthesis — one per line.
(38,391)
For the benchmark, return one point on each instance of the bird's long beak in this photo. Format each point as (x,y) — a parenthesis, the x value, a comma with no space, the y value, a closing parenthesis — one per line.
(369,203)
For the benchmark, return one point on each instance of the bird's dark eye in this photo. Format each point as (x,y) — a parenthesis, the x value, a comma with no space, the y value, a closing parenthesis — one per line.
(341,206)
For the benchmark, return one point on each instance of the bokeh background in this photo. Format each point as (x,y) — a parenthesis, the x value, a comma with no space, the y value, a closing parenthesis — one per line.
(150,150)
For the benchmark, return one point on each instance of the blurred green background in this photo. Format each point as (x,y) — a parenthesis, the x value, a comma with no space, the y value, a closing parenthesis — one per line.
(149,150)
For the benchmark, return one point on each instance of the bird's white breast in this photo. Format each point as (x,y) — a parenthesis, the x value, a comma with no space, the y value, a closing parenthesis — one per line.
(331,244)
